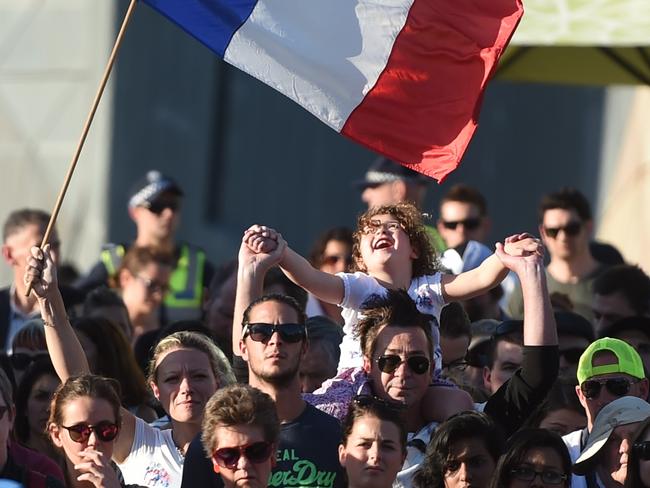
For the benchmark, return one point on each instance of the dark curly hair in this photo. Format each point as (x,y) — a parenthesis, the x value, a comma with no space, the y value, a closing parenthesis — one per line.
(464,425)
(410,218)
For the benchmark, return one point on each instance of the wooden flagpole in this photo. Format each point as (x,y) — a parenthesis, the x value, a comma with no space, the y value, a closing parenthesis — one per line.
(86,128)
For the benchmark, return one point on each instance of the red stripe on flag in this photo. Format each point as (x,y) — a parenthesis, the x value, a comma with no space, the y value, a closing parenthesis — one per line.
(424,108)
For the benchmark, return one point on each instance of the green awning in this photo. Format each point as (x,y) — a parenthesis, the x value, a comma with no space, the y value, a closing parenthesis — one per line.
(580,42)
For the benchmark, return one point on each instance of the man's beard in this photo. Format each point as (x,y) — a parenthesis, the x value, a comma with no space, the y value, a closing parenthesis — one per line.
(279,379)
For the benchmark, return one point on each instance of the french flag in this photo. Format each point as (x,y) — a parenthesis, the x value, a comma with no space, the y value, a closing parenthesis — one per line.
(402,77)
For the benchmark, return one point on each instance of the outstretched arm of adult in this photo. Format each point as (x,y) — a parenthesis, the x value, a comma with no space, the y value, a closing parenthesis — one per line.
(255,260)
(68,357)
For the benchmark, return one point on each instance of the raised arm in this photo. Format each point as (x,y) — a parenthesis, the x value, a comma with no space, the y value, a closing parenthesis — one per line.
(491,272)
(68,357)
(326,287)
(257,255)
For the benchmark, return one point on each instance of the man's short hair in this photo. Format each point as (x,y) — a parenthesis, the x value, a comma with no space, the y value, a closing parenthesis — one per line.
(628,280)
(239,405)
(567,199)
(396,308)
(510,331)
(466,194)
(19,219)
(275,297)
(454,322)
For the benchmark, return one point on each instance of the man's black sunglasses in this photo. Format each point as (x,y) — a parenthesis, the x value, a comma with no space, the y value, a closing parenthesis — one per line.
(390,362)
(158,207)
(261,332)
(616,386)
(571,229)
(469,224)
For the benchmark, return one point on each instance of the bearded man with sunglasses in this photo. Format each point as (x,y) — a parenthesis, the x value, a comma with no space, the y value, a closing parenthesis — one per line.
(154,207)
(608,369)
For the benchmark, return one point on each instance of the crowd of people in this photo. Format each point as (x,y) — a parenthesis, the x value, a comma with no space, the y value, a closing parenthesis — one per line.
(398,354)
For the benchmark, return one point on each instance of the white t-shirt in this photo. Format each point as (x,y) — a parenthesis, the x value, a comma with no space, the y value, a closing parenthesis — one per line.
(426,292)
(573,443)
(154,460)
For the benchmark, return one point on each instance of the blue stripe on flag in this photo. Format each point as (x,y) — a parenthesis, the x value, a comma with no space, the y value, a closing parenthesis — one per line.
(213,22)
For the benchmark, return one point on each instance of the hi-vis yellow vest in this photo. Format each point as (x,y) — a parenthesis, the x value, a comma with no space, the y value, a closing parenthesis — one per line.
(185,295)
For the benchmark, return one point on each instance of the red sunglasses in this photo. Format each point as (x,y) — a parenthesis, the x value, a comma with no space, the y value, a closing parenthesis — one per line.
(256,453)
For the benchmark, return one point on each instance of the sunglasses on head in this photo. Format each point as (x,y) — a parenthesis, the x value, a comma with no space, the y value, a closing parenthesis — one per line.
(158,207)
(469,224)
(256,453)
(262,332)
(615,386)
(548,476)
(21,360)
(105,431)
(642,450)
(390,362)
(571,229)
(365,401)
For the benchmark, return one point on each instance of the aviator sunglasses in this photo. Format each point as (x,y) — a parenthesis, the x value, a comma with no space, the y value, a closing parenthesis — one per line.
(390,362)
(616,386)
(256,453)
(262,332)
(105,431)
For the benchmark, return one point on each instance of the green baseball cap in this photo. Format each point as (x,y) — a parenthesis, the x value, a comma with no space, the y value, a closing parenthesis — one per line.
(629,361)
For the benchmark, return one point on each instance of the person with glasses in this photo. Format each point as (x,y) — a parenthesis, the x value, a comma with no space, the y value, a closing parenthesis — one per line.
(566,225)
(463,452)
(185,370)
(533,458)
(143,281)
(373,447)
(240,435)
(463,216)
(608,369)
(84,423)
(602,461)
(331,253)
(155,208)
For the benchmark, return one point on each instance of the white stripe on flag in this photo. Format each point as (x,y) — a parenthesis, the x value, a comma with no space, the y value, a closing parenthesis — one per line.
(323,54)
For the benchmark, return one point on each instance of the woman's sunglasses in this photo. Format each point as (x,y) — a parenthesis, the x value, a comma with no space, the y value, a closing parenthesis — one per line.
(263,332)
(21,360)
(105,431)
(256,453)
(390,362)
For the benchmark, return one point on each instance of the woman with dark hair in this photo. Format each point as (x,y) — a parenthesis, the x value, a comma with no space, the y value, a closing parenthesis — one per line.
(534,455)
(373,447)
(332,253)
(463,450)
(638,458)
(33,397)
(109,354)
(561,412)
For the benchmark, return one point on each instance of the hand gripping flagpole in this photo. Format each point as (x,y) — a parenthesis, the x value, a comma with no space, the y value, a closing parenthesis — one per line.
(86,128)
